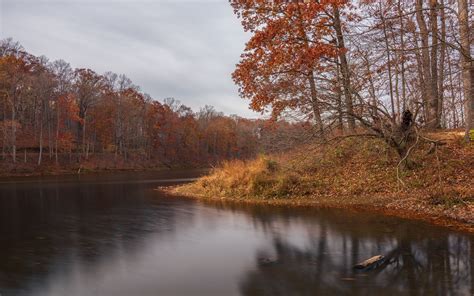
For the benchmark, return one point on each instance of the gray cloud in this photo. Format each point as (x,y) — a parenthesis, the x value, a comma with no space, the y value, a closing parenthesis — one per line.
(184,49)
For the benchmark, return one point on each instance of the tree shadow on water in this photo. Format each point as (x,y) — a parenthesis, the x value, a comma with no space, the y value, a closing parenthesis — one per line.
(424,261)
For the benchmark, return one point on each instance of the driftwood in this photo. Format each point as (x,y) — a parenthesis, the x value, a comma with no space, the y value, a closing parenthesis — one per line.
(370,263)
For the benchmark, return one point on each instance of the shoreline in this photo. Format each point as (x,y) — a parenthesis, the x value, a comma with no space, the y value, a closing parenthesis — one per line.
(65,173)
(74,172)
(353,174)
(310,203)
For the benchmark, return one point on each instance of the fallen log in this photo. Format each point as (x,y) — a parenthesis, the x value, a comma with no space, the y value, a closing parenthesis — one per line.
(370,263)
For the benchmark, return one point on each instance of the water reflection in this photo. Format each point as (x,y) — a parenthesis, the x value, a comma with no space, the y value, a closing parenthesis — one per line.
(115,235)
(420,260)
(50,226)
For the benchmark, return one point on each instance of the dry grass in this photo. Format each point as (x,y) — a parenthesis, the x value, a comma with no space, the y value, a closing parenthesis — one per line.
(342,168)
(355,172)
(256,178)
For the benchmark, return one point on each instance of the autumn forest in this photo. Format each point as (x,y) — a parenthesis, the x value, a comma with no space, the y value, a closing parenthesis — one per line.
(349,64)
(54,116)
(264,147)
(324,68)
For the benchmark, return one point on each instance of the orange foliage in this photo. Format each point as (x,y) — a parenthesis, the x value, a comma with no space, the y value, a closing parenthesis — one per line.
(287,45)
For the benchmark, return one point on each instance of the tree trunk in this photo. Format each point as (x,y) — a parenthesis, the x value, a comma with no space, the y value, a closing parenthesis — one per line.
(84,136)
(434,105)
(57,133)
(430,98)
(50,137)
(453,94)
(442,58)
(397,80)
(467,69)
(346,82)
(40,156)
(389,62)
(340,113)
(4,143)
(315,105)
(312,85)
(422,84)
(402,44)
(87,150)
(13,127)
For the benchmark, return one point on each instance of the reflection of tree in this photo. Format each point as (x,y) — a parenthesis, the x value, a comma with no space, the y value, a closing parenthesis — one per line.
(46,226)
(295,272)
(421,260)
(412,269)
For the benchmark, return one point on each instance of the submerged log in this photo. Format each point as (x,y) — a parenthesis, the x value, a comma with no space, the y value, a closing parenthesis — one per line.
(370,263)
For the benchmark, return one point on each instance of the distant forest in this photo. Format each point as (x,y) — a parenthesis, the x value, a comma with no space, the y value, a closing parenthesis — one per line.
(52,114)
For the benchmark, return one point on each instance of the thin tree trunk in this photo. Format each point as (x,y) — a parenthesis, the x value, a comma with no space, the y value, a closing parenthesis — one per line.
(467,68)
(434,105)
(389,62)
(453,93)
(346,81)
(87,150)
(419,68)
(402,62)
(13,127)
(312,85)
(84,135)
(40,139)
(50,138)
(442,57)
(4,143)
(57,132)
(315,105)
(340,114)
(426,67)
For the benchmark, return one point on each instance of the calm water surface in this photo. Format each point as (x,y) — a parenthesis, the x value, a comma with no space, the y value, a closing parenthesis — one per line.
(115,235)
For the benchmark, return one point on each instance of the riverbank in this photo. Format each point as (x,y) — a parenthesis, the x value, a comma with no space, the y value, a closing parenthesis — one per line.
(95,164)
(357,174)
(31,171)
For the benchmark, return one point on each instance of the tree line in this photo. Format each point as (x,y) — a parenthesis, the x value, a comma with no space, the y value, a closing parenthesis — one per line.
(54,113)
(391,68)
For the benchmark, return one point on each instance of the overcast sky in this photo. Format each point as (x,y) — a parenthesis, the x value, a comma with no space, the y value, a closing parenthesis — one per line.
(186,49)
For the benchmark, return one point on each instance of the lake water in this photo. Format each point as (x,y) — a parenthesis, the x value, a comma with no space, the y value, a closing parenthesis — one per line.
(116,235)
